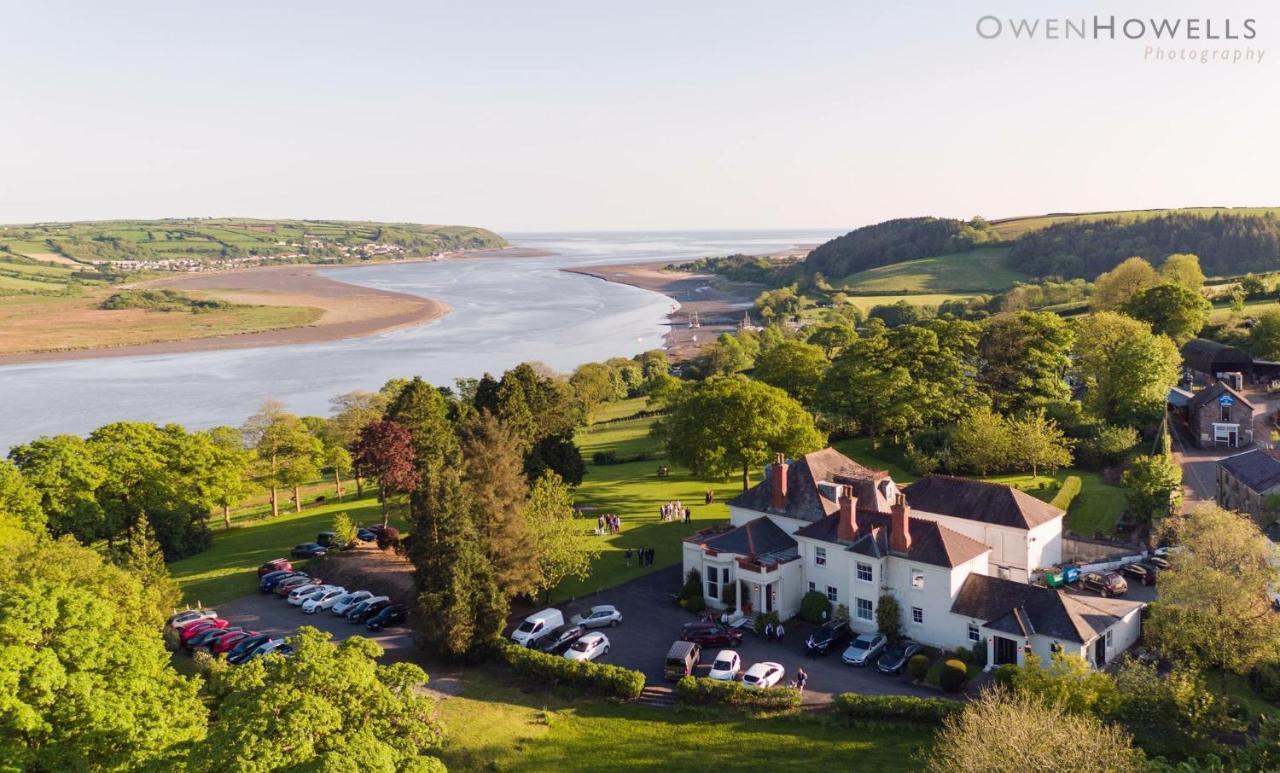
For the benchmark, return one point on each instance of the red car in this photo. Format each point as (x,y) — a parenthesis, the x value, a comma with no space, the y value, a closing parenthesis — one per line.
(275,565)
(190,631)
(225,643)
(711,635)
(293,582)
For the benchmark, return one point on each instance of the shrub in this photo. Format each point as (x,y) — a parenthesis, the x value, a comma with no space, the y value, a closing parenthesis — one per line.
(889,617)
(692,585)
(906,707)
(709,692)
(1067,494)
(769,618)
(1107,448)
(918,666)
(730,596)
(954,673)
(695,604)
(1006,674)
(815,607)
(979,655)
(556,671)
(161,300)
(1265,680)
(344,530)
(602,458)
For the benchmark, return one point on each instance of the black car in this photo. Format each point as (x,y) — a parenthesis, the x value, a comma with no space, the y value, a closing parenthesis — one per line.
(308,550)
(556,644)
(365,610)
(396,613)
(831,635)
(325,539)
(1142,571)
(240,652)
(895,658)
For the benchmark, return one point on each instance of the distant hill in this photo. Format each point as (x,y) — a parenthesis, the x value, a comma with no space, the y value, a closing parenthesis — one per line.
(894,241)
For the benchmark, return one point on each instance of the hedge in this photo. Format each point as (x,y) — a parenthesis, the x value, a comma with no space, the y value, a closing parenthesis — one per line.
(954,672)
(918,666)
(594,677)
(907,707)
(1067,494)
(702,691)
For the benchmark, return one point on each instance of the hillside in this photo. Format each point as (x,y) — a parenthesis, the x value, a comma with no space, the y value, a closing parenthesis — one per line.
(977,271)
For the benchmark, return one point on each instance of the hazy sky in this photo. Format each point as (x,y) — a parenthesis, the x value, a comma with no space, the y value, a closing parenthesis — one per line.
(607,114)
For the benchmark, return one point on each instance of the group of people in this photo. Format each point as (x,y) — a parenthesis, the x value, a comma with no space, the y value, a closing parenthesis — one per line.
(608,523)
(774,632)
(644,556)
(674,511)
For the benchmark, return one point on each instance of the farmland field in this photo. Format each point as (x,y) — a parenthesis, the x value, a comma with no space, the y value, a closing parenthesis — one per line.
(977,272)
(1013,227)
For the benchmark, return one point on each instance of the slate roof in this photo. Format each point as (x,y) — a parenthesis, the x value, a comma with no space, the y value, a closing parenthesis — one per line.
(760,539)
(1207,356)
(805,501)
(1256,469)
(1178,398)
(931,543)
(976,500)
(1024,610)
(1212,393)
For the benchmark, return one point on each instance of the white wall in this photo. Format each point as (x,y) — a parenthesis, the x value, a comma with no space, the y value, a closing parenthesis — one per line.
(1011,548)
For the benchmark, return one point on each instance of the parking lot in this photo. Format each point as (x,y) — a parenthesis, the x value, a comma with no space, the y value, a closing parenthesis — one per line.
(269,613)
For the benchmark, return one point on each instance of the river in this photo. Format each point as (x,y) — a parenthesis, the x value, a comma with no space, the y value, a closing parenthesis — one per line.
(505,311)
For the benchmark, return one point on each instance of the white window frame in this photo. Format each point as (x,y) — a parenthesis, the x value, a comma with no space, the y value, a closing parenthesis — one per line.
(870,607)
(871,572)
(833,594)
(917,616)
(713,584)
(820,556)
(813,586)
(975,633)
(917,579)
(1109,639)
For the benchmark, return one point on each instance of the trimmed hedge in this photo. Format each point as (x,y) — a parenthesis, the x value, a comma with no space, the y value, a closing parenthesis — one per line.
(705,692)
(953,674)
(594,677)
(1067,494)
(906,707)
(815,607)
(918,666)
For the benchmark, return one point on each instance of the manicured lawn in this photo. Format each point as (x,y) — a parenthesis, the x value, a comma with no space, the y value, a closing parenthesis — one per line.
(538,731)
(976,271)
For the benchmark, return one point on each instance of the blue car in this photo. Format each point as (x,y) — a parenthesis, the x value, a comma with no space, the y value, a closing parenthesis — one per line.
(269,582)
(309,550)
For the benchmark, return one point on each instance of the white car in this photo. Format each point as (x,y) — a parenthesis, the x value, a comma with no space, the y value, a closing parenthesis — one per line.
(589,647)
(184,619)
(349,600)
(864,649)
(598,617)
(726,667)
(298,595)
(763,675)
(322,600)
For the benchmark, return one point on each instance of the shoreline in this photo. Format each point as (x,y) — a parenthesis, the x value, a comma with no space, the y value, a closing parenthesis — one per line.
(347,310)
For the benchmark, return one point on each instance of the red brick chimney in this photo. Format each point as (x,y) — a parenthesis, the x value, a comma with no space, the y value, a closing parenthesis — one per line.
(847,526)
(900,525)
(779,474)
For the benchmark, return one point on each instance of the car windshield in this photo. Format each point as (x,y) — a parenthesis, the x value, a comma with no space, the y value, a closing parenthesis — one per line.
(858,644)
(750,678)
(527,626)
(581,645)
(723,665)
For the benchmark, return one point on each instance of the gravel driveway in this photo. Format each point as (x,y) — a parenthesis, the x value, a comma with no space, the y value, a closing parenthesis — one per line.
(269,613)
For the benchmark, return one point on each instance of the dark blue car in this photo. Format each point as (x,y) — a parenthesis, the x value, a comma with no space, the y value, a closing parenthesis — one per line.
(308,550)
(269,582)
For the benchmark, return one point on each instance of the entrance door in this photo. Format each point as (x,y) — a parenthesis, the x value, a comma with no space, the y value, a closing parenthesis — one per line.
(768,597)
(1006,651)
(1100,652)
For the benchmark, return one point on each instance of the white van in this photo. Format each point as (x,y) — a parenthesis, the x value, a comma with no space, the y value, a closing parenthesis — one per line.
(536,626)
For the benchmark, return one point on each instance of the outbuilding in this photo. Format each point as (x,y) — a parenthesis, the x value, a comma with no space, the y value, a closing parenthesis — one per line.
(1210,358)
(1220,416)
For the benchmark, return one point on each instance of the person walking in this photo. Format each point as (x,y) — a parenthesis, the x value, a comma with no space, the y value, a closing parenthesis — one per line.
(801,679)
(651,551)
(628,558)
(778,631)
(768,631)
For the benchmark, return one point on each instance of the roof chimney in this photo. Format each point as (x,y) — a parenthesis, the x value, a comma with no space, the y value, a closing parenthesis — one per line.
(900,525)
(778,472)
(847,526)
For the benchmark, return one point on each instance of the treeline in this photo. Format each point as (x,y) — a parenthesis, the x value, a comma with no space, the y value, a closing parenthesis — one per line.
(1226,243)
(894,241)
(162,300)
(740,268)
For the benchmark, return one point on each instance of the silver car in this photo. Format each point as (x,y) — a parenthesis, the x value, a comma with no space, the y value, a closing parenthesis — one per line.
(864,649)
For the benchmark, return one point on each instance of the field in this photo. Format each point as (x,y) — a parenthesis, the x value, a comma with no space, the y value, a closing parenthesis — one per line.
(541,731)
(867,302)
(1013,227)
(979,271)
(1222,311)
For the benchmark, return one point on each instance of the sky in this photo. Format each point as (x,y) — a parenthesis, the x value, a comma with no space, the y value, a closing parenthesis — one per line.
(620,115)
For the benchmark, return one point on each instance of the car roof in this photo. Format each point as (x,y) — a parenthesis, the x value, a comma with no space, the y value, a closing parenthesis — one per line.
(724,653)
(604,608)
(680,649)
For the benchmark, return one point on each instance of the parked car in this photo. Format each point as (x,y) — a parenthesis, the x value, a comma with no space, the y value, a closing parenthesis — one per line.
(325,539)
(1105,584)
(537,626)
(248,644)
(321,601)
(894,659)
(1142,572)
(829,636)
(300,593)
(288,584)
(389,615)
(589,647)
(763,675)
(274,645)
(864,649)
(555,644)
(207,636)
(726,666)
(682,657)
(365,535)
(183,619)
(274,565)
(187,633)
(308,550)
(1159,560)
(598,617)
(224,643)
(345,602)
(711,634)
(367,609)
(268,582)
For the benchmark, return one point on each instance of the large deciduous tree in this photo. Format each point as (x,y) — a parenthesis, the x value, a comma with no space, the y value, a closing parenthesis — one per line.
(1023,358)
(228,477)
(1127,370)
(734,424)
(287,451)
(1152,485)
(1038,442)
(1171,309)
(384,450)
(557,534)
(352,412)
(1184,269)
(981,443)
(19,500)
(1113,289)
(795,367)
(66,475)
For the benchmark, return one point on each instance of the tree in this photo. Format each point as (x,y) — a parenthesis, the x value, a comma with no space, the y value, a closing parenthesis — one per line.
(1126,369)
(1037,442)
(1253,286)
(1023,358)
(1172,310)
(287,451)
(778,304)
(1215,597)
(734,423)
(556,534)
(653,363)
(982,442)
(595,384)
(353,412)
(889,617)
(230,466)
(19,500)
(864,386)
(1174,714)
(493,470)
(326,707)
(1067,682)
(1264,336)
(832,337)
(558,454)
(66,476)
(1000,732)
(1183,269)
(1113,289)
(384,450)
(794,367)
(1152,486)
(344,529)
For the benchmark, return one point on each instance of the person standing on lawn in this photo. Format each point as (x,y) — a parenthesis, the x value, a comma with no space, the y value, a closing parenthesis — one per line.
(628,558)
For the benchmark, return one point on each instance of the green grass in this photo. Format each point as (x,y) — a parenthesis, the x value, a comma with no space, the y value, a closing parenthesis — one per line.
(539,731)
(977,271)
(1013,227)
(866,302)
(1222,312)
(1238,687)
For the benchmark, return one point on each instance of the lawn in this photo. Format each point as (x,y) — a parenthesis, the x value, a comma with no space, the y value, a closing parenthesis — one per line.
(1222,312)
(976,271)
(867,302)
(540,731)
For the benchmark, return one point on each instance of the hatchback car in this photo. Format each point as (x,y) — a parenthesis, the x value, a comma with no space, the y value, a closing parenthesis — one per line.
(304,592)
(388,616)
(711,635)
(207,636)
(726,666)
(224,643)
(322,600)
(1104,584)
(270,582)
(308,550)
(763,675)
(189,632)
(288,584)
(559,642)
(829,636)
(1142,572)
(589,647)
(894,659)
(864,649)
(598,617)
(183,619)
(367,609)
(242,648)
(274,565)
(344,603)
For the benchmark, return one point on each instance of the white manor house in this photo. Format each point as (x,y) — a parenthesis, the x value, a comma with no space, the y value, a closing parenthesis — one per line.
(957,554)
